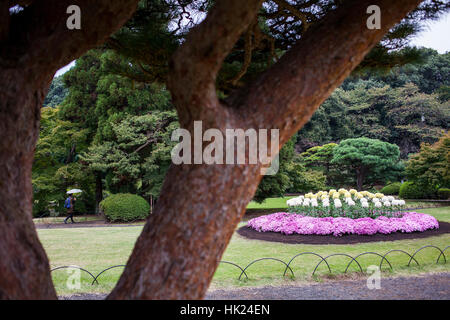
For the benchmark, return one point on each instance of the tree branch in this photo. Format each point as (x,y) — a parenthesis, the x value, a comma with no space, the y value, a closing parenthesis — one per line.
(194,66)
(39,37)
(282,4)
(286,95)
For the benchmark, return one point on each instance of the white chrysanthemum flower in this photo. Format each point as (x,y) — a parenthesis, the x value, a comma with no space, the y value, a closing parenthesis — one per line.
(364,205)
(401,202)
(386,204)
(378,204)
(337,203)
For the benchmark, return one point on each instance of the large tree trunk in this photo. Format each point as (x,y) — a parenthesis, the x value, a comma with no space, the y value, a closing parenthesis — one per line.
(181,244)
(34,44)
(360,175)
(23,262)
(184,239)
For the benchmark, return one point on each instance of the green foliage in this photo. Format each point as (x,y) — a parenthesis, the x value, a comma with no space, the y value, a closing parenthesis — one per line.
(136,156)
(117,115)
(305,180)
(56,93)
(443,193)
(125,207)
(56,167)
(108,127)
(81,80)
(407,106)
(368,159)
(319,157)
(391,189)
(276,185)
(429,75)
(431,166)
(144,44)
(412,190)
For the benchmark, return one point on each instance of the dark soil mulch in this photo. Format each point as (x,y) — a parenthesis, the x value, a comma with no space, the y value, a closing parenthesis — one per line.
(444,227)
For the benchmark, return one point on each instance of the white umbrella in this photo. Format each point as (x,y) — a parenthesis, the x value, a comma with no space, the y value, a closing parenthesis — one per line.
(74,191)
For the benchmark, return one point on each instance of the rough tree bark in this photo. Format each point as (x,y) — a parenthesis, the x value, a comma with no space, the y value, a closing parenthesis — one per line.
(360,176)
(200,205)
(33,46)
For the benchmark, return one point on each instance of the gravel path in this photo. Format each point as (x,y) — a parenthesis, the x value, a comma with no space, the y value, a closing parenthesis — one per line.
(430,287)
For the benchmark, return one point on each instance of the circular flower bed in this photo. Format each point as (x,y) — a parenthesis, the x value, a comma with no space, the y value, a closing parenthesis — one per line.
(345,203)
(292,223)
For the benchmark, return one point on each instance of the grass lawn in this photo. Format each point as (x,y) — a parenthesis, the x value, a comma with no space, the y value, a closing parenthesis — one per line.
(270,203)
(98,248)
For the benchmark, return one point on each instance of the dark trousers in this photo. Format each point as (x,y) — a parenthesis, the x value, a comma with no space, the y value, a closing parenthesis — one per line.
(69,215)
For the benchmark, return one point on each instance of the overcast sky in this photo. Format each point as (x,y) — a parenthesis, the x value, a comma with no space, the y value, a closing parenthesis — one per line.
(436,35)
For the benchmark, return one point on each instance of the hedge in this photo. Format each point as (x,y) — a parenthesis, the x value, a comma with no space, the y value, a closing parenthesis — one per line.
(411,190)
(392,189)
(444,193)
(124,207)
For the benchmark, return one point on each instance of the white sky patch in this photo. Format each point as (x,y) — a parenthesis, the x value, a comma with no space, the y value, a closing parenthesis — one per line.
(435,36)
(64,69)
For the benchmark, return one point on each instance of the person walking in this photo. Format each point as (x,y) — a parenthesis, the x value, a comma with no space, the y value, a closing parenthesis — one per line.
(69,204)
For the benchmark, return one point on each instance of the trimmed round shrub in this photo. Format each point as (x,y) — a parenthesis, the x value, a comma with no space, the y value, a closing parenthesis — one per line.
(392,189)
(124,207)
(411,190)
(444,193)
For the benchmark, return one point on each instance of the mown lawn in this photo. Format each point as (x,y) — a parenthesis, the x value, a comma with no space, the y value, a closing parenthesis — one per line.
(98,248)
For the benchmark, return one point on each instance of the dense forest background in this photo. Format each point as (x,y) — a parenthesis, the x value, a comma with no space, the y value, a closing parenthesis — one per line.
(105,132)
